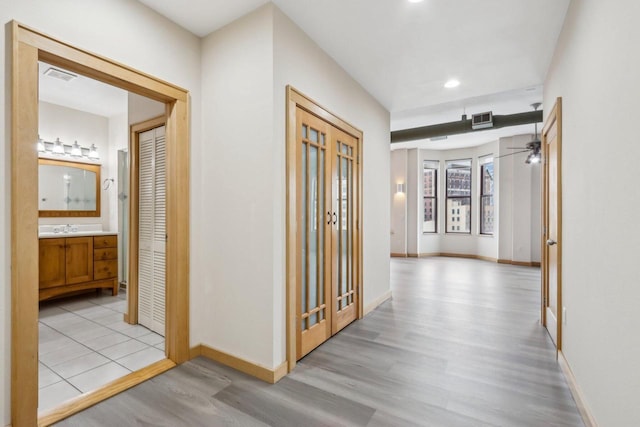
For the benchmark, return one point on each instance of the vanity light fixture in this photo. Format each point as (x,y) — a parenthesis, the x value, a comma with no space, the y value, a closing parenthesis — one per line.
(41,148)
(93,152)
(57,147)
(76,151)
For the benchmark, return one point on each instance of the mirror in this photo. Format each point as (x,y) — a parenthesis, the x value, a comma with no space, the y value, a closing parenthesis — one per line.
(68,189)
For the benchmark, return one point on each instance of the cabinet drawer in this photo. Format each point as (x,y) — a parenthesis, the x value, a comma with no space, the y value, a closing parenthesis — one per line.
(105,269)
(105,242)
(106,253)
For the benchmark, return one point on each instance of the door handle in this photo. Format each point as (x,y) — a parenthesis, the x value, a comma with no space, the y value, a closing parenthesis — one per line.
(328,218)
(551,242)
(335,218)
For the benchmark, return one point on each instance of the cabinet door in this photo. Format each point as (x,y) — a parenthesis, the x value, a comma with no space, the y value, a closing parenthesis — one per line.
(51,262)
(79,259)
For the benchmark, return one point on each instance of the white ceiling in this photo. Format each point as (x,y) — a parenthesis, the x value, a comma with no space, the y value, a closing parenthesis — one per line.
(402,53)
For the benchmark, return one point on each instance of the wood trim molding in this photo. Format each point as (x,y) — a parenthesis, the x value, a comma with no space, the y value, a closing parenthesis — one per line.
(520,263)
(576,392)
(470,256)
(397,255)
(295,99)
(376,303)
(268,375)
(89,399)
(29,46)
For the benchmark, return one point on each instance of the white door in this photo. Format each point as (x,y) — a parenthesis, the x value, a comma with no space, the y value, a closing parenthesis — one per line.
(152,230)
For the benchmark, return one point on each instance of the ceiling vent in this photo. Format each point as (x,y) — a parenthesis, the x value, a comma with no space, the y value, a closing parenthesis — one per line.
(482,120)
(59,74)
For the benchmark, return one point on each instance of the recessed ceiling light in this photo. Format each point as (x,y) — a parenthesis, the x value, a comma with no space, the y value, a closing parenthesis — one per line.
(452,83)
(415,1)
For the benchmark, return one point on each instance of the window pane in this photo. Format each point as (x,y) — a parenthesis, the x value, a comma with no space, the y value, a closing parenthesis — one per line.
(458,196)
(429,183)
(486,224)
(459,213)
(459,182)
(430,194)
(487,179)
(430,213)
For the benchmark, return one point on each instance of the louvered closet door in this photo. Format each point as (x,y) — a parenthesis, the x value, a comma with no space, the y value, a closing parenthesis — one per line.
(326,217)
(152,230)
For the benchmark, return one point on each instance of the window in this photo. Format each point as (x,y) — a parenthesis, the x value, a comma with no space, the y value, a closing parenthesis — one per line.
(459,196)
(486,196)
(430,196)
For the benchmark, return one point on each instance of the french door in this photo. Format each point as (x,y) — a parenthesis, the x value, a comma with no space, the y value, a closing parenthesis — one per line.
(326,255)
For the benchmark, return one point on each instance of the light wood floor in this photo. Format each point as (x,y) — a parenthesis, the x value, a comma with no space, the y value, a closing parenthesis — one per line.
(460,344)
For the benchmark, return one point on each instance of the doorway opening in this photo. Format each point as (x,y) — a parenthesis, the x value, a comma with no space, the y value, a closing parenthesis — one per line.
(29,47)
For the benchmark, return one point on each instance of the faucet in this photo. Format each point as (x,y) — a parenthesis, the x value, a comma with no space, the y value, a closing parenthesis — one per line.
(66,228)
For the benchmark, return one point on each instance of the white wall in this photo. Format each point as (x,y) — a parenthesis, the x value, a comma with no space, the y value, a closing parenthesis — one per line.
(302,64)
(595,69)
(240,165)
(398,236)
(123,30)
(519,209)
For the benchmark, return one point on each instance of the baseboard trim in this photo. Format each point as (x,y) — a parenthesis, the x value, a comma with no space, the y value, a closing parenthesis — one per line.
(374,304)
(468,256)
(270,376)
(398,255)
(587,417)
(89,399)
(519,263)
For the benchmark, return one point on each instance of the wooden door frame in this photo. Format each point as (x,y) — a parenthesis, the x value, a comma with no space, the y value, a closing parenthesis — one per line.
(134,204)
(296,99)
(555,117)
(29,46)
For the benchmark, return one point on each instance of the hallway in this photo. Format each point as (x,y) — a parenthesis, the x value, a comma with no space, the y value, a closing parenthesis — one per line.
(460,344)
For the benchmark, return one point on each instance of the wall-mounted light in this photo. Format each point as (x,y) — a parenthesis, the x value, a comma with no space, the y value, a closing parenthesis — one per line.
(57,147)
(76,151)
(93,152)
(41,148)
(400,188)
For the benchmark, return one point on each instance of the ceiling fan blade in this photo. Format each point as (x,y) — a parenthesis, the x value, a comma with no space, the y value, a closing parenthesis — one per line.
(511,154)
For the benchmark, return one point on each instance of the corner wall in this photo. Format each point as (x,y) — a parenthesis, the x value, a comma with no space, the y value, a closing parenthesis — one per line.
(125,31)
(595,70)
(300,62)
(246,67)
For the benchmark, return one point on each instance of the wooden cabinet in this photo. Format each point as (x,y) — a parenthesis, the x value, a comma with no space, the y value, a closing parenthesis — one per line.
(77,263)
(79,260)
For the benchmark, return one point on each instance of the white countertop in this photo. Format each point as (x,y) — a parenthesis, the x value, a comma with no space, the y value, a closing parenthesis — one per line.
(51,235)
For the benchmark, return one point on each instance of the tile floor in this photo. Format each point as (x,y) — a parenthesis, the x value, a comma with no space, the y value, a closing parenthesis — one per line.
(85,343)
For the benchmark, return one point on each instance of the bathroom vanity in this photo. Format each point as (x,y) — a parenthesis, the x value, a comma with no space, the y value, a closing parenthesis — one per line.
(77,261)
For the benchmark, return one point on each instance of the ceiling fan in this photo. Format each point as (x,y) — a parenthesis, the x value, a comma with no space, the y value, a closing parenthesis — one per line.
(531,147)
